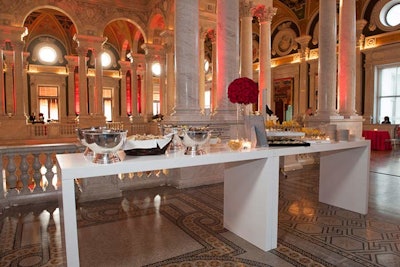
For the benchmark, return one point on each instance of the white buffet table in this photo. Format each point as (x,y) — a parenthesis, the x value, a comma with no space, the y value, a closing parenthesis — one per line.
(251,184)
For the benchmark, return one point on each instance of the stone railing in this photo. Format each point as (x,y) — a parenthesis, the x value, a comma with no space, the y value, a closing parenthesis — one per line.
(143,128)
(39,131)
(51,130)
(29,172)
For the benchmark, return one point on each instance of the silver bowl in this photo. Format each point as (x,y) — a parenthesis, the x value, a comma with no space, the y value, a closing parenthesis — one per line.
(105,143)
(177,132)
(79,132)
(194,140)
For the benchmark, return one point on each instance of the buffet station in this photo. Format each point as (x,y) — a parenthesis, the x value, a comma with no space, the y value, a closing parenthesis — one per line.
(251,175)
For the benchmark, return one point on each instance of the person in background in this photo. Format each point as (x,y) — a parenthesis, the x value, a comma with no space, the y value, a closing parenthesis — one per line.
(302,117)
(309,112)
(41,118)
(386,120)
(32,117)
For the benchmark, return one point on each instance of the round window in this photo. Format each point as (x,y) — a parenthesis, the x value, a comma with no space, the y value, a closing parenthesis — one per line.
(156,69)
(105,59)
(393,15)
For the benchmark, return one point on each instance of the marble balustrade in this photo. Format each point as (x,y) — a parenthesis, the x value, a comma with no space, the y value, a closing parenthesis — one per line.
(28,173)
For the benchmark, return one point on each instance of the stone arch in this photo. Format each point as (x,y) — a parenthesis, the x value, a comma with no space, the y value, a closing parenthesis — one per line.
(59,33)
(312,30)
(125,35)
(155,27)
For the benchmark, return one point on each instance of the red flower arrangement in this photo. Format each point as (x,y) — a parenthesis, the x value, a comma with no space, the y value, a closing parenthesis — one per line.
(243,91)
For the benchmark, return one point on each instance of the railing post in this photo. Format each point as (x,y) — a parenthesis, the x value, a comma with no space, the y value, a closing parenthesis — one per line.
(49,171)
(11,179)
(37,176)
(24,177)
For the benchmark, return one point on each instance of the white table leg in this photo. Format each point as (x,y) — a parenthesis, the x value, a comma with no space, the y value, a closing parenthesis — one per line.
(344,178)
(251,191)
(70,224)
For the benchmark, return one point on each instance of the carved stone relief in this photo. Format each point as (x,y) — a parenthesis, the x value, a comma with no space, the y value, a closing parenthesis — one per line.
(284,41)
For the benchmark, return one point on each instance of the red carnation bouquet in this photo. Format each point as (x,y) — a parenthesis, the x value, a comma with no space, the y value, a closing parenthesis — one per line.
(243,91)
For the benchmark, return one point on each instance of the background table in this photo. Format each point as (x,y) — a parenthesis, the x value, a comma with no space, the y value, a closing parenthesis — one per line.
(378,139)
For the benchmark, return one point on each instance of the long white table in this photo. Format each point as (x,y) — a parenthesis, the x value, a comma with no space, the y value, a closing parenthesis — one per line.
(251,185)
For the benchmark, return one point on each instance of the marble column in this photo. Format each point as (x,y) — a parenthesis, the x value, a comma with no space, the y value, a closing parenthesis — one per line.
(360,24)
(246,40)
(169,99)
(18,79)
(9,90)
(90,92)
(134,89)
(97,49)
(347,58)
(83,83)
(162,86)
(125,67)
(187,59)
(73,62)
(304,101)
(170,72)
(327,60)
(2,84)
(153,55)
(211,34)
(15,92)
(142,90)
(137,60)
(227,56)
(147,90)
(265,15)
(202,73)
(25,88)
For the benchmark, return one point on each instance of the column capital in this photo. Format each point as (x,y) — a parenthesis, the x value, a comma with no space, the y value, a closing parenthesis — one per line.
(168,39)
(263,13)
(303,42)
(246,9)
(137,58)
(73,61)
(153,52)
(90,42)
(12,34)
(125,65)
(18,45)
(8,57)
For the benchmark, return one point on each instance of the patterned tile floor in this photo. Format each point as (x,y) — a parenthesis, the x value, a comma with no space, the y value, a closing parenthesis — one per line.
(169,227)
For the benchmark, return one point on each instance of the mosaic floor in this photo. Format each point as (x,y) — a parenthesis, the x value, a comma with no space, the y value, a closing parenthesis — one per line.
(169,227)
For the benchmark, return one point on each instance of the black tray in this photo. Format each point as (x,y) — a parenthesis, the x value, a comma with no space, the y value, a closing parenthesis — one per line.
(286,143)
(147,151)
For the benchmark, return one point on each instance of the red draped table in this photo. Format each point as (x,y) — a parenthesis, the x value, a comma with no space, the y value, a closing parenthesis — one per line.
(378,139)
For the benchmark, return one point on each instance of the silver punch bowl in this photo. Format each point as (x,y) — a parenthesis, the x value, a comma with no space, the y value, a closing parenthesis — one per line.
(79,131)
(105,143)
(194,139)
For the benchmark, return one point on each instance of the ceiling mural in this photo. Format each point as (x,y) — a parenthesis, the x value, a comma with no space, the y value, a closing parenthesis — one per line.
(297,6)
